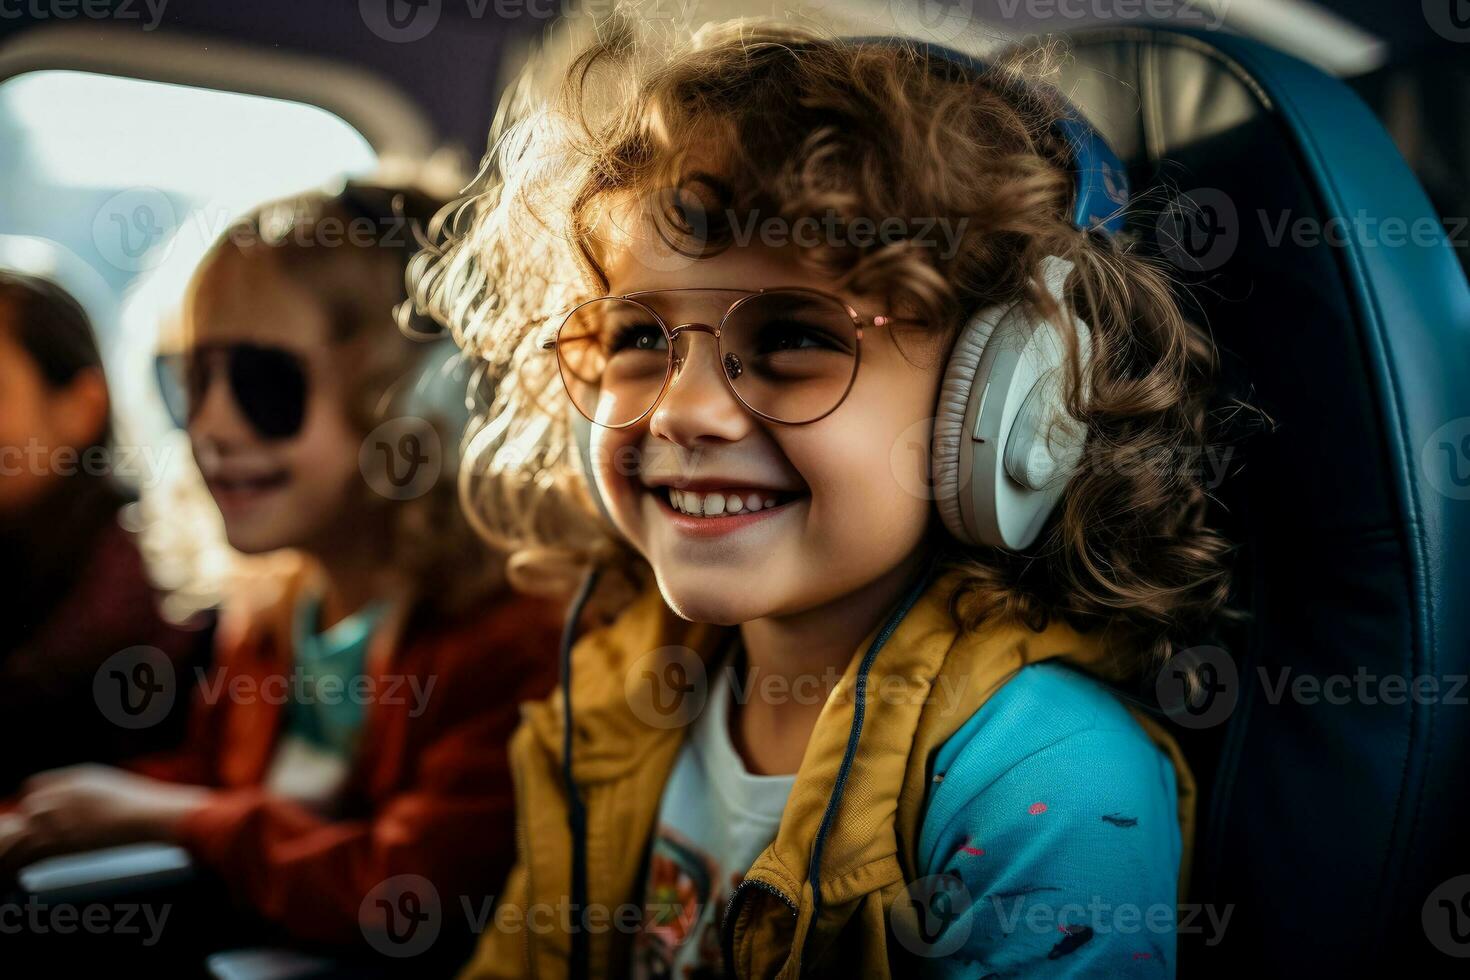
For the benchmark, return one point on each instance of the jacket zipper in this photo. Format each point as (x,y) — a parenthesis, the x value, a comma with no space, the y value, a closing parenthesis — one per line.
(732,909)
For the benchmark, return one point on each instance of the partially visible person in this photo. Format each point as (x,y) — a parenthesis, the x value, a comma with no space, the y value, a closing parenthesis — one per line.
(73,587)
(369,675)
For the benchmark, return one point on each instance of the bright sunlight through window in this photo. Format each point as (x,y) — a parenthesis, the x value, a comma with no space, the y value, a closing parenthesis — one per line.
(111,182)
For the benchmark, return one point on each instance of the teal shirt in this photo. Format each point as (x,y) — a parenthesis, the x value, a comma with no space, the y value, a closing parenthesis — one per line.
(1050,838)
(328,706)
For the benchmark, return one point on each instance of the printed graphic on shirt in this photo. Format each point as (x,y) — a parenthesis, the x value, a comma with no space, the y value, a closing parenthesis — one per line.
(680,901)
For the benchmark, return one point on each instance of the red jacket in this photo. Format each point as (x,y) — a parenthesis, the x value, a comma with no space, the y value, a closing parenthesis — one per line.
(428,795)
(67,610)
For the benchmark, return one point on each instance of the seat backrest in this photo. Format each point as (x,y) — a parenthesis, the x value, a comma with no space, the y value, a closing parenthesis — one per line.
(1334,808)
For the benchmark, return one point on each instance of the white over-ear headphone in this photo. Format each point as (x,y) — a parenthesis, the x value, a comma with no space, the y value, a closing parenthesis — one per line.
(1004,443)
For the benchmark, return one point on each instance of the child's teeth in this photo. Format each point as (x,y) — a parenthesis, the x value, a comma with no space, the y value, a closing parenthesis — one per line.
(716,504)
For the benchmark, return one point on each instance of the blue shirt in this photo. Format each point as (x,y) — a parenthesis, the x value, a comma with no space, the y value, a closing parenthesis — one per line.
(330,717)
(1050,840)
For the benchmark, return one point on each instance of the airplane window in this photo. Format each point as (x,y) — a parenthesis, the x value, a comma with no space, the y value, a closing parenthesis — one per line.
(111,181)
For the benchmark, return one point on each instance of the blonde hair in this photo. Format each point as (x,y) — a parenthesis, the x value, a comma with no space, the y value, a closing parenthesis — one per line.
(807,125)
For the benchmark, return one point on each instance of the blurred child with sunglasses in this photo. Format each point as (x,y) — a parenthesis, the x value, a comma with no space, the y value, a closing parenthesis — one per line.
(354,727)
(861,718)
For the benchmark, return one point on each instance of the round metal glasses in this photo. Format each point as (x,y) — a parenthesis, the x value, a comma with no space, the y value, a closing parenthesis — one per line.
(789,355)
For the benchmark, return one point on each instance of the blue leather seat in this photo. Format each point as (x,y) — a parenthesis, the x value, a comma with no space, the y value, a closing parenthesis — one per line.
(1327,822)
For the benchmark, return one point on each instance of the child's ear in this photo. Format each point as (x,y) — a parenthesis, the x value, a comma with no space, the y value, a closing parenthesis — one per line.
(79,409)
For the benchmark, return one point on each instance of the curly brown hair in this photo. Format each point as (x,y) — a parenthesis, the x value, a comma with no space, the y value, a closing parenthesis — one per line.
(805,125)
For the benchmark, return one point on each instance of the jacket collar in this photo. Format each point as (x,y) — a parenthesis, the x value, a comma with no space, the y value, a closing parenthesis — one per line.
(927,668)
(921,686)
(262,614)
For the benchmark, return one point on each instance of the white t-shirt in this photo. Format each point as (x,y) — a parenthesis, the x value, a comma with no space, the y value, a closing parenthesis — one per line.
(713,822)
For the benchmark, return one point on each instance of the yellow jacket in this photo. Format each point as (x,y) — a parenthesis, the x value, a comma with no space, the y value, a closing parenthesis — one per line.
(624,751)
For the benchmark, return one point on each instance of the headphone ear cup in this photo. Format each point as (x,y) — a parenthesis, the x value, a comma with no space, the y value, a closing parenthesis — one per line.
(950,479)
(1002,386)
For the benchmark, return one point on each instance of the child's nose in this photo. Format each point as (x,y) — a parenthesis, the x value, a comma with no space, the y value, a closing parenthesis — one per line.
(698,404)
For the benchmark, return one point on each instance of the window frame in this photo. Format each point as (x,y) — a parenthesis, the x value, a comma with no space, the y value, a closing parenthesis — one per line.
(392,123)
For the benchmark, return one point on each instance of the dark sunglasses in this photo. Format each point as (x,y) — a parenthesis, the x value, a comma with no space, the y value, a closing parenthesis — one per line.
(268,385)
